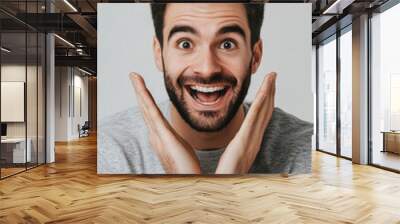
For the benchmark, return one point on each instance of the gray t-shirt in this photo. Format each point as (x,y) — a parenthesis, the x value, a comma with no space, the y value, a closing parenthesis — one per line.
(124,148)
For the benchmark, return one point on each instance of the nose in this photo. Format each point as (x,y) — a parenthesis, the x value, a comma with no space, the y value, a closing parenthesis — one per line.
(206,63)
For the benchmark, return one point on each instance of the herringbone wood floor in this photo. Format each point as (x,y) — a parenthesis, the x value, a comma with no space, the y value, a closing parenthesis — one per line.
(70,191)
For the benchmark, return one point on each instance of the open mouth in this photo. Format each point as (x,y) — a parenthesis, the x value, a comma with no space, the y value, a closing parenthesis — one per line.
(207,95)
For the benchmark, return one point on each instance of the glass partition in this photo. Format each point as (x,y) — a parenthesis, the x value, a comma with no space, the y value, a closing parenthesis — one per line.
(41,107)
(14,153)
(22,78)
(31,99)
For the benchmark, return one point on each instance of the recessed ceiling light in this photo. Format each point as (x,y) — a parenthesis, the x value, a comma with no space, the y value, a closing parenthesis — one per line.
(70,5)
(5,50)
(337,7)
(84,71)
(64,40)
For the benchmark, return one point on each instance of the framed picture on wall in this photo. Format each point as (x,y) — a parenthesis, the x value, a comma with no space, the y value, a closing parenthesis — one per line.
(12,101)
(198,71)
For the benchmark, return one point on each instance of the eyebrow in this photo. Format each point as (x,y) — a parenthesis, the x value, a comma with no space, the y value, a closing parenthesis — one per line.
(232,29)
(177,29)
(188,29)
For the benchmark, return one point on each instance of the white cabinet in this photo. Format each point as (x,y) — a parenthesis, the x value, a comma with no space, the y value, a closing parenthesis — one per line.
(18,149)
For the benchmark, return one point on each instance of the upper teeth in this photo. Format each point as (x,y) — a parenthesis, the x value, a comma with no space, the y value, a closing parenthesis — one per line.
(207,89)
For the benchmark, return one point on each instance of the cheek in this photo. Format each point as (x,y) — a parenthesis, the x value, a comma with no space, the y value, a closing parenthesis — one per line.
(174,64)
(237,66)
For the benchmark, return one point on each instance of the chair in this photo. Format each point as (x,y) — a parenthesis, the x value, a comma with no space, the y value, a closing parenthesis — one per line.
(84,130)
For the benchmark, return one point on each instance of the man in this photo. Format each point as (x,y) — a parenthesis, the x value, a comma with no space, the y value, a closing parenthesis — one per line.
(207,53)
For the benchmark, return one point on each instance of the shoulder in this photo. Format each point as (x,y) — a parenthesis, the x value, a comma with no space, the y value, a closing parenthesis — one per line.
(285,124)
(127,124)
(116,125)
(117,141)
(293,153)
(286,146)
(290,125)
(123,144)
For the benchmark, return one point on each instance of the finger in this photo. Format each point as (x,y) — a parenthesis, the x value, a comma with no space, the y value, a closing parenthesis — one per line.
(261,97)
(150,106)
(139,96)
(258,116)
(269,101)
(249,121)
(141,92)
(151,127)
(274,87)
(154,115)
(268,104)
(272,100)
(265,90)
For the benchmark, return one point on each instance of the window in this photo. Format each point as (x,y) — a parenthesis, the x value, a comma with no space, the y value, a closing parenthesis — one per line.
(346,93)
(385,89)
(327,96)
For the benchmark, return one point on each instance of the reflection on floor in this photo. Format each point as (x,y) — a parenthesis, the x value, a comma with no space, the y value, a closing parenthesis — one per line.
(13,169)
(10,171)
(70,191)
(387,159)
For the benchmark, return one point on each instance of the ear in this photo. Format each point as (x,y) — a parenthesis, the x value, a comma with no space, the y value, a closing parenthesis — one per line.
(257,55)
(157,51)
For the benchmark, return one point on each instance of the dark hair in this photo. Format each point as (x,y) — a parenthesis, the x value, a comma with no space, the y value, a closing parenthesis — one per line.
(255,17)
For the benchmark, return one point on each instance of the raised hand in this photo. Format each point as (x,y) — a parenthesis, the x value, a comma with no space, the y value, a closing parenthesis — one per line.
(175,154)
(241,152)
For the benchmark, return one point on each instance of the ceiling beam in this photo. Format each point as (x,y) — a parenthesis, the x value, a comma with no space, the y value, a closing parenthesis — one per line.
(337,7)
(85,25)
(84,61)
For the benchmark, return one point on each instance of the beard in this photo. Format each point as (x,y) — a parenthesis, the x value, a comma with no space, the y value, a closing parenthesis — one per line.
(207,121)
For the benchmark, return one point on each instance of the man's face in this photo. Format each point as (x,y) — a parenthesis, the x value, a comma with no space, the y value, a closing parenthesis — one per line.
(207,61)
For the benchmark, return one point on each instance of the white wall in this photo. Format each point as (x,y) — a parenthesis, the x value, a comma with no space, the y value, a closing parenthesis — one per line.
(286,33)
(67,80)
(80,83)
(61,103)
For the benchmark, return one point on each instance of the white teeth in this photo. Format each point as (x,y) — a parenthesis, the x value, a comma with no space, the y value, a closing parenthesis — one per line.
(207,89)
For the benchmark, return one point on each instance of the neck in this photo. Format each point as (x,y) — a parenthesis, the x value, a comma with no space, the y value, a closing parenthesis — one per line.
(207,140)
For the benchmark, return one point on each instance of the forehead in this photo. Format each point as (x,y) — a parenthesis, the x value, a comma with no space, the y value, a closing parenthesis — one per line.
(205,13)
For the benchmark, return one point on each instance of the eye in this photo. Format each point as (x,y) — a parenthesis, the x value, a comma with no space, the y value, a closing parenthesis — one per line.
(227,44)
(184,44)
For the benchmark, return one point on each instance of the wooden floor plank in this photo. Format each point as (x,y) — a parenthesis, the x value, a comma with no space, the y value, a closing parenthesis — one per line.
(70,191)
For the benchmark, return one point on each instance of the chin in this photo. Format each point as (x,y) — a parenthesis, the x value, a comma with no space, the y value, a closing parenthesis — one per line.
(207,121)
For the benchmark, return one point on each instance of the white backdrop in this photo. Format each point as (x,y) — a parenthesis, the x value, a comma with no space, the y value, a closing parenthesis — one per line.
(125,33)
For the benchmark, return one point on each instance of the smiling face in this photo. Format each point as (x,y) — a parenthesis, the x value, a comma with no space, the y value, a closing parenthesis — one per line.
(207,60)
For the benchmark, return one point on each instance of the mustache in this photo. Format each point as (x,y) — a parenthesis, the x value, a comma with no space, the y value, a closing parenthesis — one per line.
(215,78)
